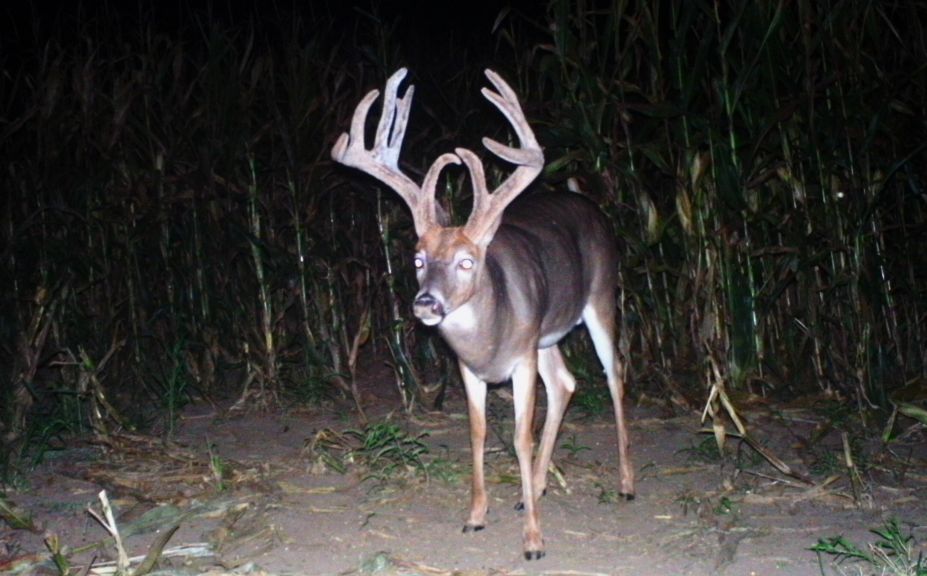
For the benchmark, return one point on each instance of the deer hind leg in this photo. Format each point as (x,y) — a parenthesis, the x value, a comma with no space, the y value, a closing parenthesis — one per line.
(600,320)
(559,384)
(476,406)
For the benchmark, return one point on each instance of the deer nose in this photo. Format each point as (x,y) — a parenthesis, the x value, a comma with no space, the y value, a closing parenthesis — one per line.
(427,305)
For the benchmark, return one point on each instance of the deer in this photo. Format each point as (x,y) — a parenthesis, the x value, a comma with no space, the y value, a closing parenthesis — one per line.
(504,289)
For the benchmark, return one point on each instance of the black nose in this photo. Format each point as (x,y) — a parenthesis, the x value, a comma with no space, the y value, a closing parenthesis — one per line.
(428,302)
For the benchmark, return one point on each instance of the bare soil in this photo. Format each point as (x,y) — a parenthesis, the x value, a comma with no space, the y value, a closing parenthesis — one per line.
(281,510)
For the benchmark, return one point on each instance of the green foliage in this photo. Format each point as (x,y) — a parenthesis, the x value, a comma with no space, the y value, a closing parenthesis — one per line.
(607,495)
(705,452)
(176,394)
(59,554)
(739,453)
(14,517)
(594,399)
(445,470)
(829,461)
(891,554)
(383,452)
(725,507)
(689,501)
(574,447)
(218,467)
(386,450)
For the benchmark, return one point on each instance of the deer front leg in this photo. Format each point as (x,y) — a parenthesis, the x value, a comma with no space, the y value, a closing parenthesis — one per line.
(476,407)
(523,384)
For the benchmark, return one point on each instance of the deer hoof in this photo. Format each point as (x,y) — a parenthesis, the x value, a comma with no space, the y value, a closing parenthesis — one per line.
(521,505)
(534,554)
(627,496)
(474,528)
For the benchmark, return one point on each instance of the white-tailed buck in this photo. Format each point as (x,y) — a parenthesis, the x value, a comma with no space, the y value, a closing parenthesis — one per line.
(505,288)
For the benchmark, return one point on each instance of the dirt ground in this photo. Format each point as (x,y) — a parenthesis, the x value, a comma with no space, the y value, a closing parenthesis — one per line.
(280,509)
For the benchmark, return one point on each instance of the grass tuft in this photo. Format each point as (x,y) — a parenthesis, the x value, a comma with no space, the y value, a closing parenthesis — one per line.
(891,554)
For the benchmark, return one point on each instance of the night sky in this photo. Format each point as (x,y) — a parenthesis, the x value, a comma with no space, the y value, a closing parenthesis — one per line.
(420,25)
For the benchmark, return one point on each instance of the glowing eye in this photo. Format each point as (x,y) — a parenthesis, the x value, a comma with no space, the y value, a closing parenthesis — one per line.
(418,263)
(466,264)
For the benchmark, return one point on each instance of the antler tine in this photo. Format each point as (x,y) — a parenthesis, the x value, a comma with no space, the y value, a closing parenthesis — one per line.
(506,101)
(482,201)
(435,213)
(392,126)
(488,208)
(382,161)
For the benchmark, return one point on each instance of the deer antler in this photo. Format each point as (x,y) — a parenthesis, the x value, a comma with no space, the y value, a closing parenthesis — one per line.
(488,208)
(382,161)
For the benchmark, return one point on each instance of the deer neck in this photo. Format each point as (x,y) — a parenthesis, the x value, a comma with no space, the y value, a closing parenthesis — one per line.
(486,333)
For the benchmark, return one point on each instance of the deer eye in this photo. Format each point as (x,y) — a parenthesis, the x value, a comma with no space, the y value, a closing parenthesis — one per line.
(466,264)
(418,263)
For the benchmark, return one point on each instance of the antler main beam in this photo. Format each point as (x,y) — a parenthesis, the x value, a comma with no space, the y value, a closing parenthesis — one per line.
(382,161)
(488,208)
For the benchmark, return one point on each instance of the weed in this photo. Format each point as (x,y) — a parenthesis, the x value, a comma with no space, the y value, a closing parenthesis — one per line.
(607,495)
(16,518)
(689,501)
(648,470)
(835,414)
(725,507)
(217,467)
(827,464)
(593,400)
(176,395)
(746,457)
(445,470)
(892,554)
(59,554)
(310,387)
(386,450)
(573,447)
(68,416)
(706,452)
(831,461)
(507,478)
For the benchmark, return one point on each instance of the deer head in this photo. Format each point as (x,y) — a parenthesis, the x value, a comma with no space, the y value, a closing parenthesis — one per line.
(449,261)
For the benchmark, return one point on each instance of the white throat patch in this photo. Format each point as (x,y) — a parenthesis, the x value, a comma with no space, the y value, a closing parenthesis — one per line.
(461,319)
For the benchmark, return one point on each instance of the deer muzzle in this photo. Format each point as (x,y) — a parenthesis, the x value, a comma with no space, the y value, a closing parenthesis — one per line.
(428,309)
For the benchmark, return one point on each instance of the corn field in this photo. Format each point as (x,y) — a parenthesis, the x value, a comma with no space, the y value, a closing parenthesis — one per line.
(173,228)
